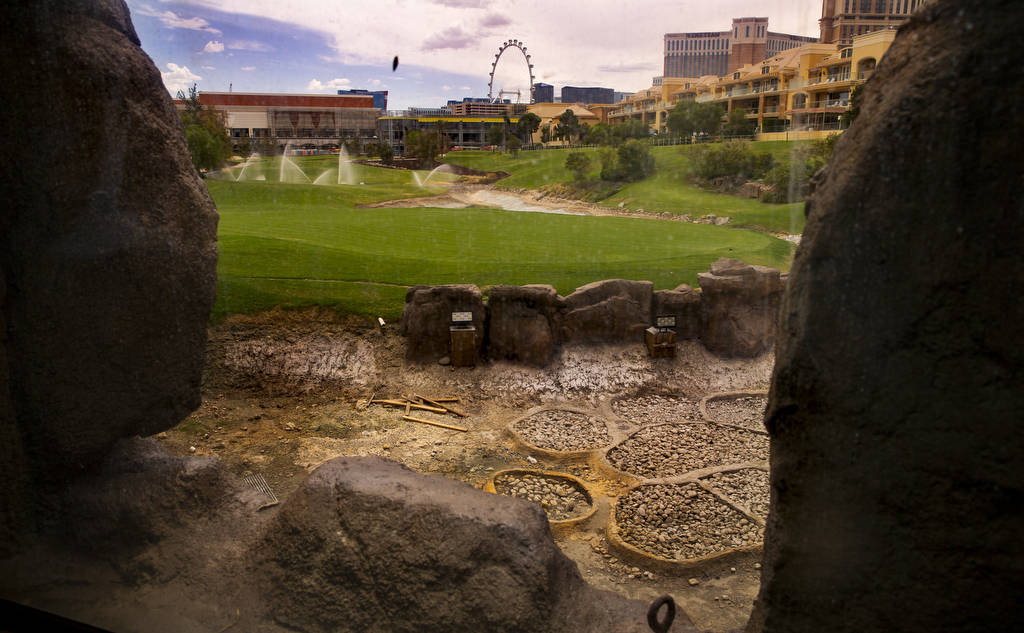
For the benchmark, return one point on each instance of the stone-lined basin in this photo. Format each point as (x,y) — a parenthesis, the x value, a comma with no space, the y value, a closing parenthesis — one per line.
(672,450)
(561,430)
(564,498)
(743,409)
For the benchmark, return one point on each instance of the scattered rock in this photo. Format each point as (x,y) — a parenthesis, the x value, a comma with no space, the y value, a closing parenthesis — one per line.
(676,449)
(745,411)
(561,499)
(563,431)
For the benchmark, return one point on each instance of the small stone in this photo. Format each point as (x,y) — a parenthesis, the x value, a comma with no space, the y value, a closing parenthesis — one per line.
(732,569)
(693,582)
(757,565)
(531,459)
(192,449)
(445,360)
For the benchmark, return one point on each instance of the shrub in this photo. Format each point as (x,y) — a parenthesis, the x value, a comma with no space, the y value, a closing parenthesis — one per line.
(728,164)
(789,179)
(578,163)
(635,160)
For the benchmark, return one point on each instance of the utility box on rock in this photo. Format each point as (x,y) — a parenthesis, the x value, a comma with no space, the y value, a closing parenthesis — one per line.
(463,340)
(661,342)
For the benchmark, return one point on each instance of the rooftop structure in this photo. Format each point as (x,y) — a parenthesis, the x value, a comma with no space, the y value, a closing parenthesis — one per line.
(842,20)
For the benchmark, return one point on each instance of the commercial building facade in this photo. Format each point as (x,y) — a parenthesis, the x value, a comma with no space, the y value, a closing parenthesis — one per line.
(380,97)
(543,93)
(718,53)
(842,20)
(572,94)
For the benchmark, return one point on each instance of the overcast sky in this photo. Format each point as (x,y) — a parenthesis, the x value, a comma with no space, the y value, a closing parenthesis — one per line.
(445,47)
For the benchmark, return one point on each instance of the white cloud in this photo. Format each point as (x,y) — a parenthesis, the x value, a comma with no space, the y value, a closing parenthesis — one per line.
(172,20)
(375,82)
(315,85)
(213,47)
(451,37)
(249,45)
(465,88)
(178,78)
(446,88)
(464,4)
(208,68)
(494,20)
(248,68)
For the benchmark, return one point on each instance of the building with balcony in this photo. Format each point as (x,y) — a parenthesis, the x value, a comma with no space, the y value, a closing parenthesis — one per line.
(801,89)
(720,52)
(842,20)
(305,121)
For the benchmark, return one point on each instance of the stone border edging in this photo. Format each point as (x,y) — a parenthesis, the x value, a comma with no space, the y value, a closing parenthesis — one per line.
(582,455)
(725,395)
(561,526)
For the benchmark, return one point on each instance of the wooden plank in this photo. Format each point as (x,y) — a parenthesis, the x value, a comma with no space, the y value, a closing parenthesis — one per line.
(446,408)
(403,403)
(444,399)
(432,423)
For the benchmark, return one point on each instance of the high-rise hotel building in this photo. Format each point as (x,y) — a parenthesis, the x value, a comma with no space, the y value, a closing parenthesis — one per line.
(721,52)
(841,20)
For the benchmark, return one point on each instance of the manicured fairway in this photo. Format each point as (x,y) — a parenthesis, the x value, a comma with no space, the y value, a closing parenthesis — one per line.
(302,245)
(668,190)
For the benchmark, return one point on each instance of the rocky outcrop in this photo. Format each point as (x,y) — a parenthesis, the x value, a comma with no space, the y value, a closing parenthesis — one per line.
(896,400)
(107,240)
(614,310)
(366,544)
(523,323)
(684,304)
(426,318)
(739,307)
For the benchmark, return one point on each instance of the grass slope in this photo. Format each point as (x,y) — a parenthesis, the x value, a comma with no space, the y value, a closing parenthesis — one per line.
(304,245)
(668,190)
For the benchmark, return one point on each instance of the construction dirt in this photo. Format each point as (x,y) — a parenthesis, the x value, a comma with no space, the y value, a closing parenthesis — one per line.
(284,392)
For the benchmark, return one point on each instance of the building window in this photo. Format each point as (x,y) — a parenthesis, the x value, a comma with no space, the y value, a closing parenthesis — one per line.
(865,6)
(748,31)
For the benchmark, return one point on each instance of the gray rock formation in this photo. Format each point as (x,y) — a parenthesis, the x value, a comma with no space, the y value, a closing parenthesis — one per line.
(107,241)
(896,400)
(684,304)
(366,544)
(613,310)
(739,306)
(524,323)
(427,317)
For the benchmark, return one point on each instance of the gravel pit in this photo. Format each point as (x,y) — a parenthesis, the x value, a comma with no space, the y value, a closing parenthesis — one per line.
(748,487)
(672,450)
(656,409)
(745,411)
(560,498)
(682,521)
(563,431)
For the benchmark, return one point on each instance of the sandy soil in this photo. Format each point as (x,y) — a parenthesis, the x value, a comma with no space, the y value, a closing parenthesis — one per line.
(283,392)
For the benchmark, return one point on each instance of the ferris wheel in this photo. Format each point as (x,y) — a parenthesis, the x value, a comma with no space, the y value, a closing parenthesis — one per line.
(502,93)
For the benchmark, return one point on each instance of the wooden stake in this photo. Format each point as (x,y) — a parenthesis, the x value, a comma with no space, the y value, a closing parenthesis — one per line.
(432,423)
(445,400)
(400,403)
(446,408)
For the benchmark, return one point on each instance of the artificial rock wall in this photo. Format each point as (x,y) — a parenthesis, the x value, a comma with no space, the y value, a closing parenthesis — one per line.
(898,393)
(734,314)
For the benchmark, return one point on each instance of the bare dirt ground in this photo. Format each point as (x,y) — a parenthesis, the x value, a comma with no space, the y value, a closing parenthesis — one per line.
(285,391)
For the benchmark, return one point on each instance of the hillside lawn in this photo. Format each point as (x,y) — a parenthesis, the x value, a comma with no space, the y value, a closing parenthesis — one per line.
(668,190)
(303,245)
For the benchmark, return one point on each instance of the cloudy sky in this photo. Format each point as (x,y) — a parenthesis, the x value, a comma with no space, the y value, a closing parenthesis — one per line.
(445,47)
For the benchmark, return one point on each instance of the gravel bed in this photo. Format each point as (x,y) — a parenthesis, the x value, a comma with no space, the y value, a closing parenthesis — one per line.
(676,449)
(748,487)
(745,411)
(655,409)
(561,499)
(563,431)
(682,521)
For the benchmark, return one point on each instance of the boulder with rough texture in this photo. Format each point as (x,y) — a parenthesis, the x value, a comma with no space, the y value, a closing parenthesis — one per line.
(365,544)
(613,310)
(739,307)
(107,238)
(426,318)
(897,397)
(684,304)
(523,323)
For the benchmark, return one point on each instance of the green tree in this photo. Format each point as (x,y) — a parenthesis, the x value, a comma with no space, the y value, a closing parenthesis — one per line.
(635,160)
(689,117)
(630,128)
(579,164)
(527,126)
(737,124)
(495,136)
(609,164)
(441,130)
(381,150)
(545,134)
(513,144)
(568,127)
(205,133)
(422,146)
(599,134)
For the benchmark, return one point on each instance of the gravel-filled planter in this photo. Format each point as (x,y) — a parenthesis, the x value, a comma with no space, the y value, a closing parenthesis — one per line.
(682,522)
(672,450)
(744,410)
(656,409)
(748,488)
(562,430)
(563,498)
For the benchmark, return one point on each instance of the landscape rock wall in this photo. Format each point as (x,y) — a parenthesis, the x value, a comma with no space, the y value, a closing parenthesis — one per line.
(107,244)
(896,403)
(735,314)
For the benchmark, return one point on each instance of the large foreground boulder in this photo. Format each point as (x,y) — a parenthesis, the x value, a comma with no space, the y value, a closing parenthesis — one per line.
(366,544)
(107,241)
(897,400)
(739,307)
(426,318)
(613,311)
(523,323)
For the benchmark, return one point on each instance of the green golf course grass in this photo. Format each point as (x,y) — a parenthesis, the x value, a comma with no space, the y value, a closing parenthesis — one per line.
(668,190)
(303,245)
